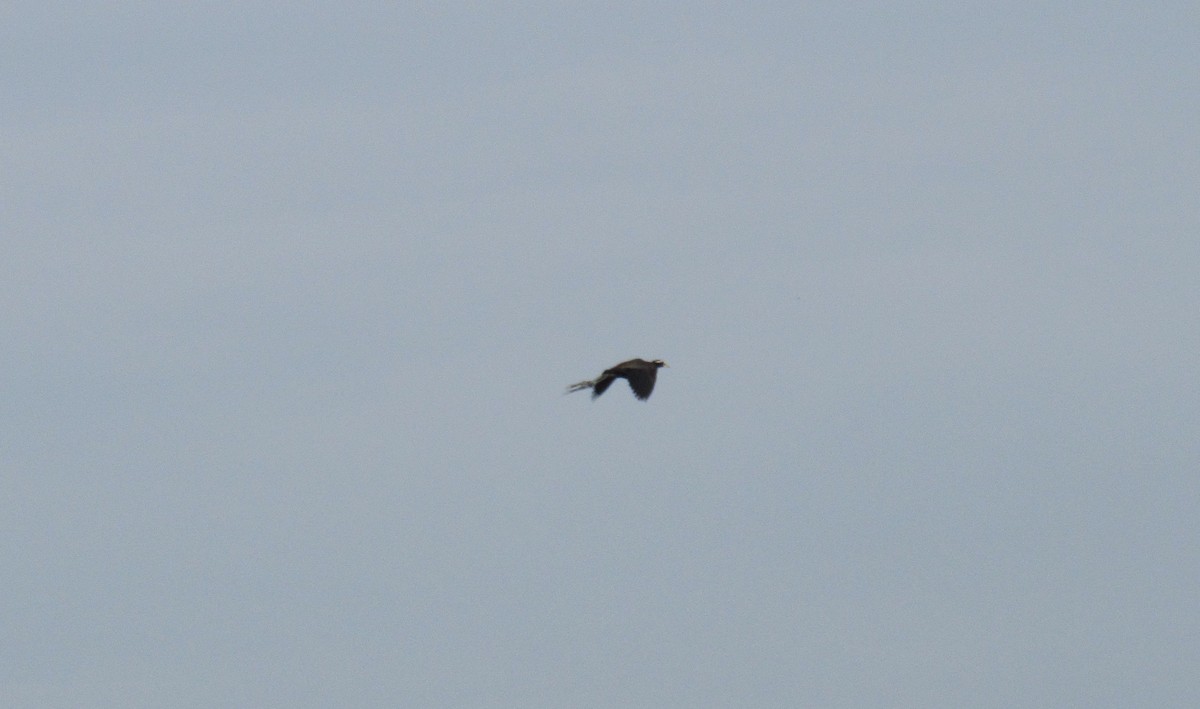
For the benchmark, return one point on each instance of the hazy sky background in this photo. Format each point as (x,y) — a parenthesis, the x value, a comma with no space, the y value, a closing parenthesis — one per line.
(289,293)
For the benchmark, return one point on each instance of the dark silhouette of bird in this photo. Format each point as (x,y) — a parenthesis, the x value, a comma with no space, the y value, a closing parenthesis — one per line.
(638,372)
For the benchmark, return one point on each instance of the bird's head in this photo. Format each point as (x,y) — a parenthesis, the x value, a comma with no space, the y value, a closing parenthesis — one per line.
(660,363)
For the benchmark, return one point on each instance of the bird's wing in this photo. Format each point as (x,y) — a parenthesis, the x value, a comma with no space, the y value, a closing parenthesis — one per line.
(602,384)
(642,381)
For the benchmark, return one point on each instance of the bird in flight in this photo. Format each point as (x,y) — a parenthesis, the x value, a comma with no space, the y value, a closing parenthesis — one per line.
(638,372)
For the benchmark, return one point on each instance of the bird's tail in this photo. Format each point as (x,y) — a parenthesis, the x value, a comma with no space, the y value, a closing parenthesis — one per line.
(580,386)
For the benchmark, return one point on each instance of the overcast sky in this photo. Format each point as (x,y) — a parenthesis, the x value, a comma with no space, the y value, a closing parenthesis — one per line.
(290,293)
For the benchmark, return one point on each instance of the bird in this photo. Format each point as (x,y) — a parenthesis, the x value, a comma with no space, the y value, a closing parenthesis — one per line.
(638,372)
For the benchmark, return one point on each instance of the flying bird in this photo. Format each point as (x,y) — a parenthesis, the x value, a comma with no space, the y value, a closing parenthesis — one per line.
(638,372)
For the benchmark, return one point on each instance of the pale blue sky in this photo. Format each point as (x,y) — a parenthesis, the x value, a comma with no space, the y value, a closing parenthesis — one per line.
(290,293)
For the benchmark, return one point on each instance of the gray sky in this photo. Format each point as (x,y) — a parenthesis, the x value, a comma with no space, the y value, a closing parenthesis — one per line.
(290,293)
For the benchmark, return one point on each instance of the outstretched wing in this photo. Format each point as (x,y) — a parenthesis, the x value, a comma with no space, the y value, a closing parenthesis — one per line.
(602,384)
(642,381)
